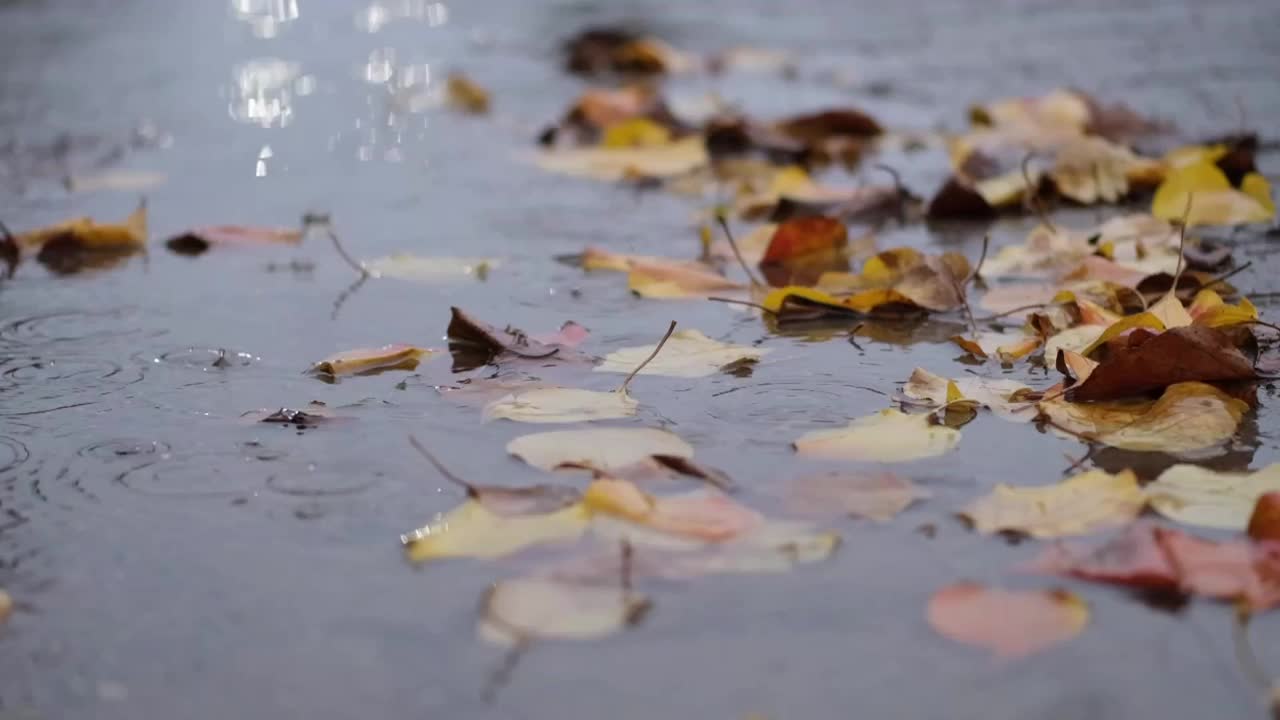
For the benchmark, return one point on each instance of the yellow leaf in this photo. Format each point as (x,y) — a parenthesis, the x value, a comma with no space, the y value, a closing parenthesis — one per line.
(1188,416)
(686,354)
(1008,346)
(667,279)
(1199,496)
(513,611)
(614,164)
(601,448)
(704,516)
(371,360)
(1208,308)
(887,267)
(1213,200)
(1144,320)
(888,436)
(996,395)
(561,405)
(635,132)
(465,95)
(471,530)
(85,233)
(1083,504)
(1076,340)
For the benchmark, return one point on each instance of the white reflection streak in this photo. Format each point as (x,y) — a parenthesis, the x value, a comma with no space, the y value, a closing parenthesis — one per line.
(265,17)
(263,92)
(378,15)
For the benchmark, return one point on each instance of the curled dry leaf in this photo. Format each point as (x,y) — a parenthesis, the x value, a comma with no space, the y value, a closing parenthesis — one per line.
(367,361)
(561,405)
(876,496)
(516,611)
(604,449)
(1187,417)
(1142,242)
(888,436)
(473,530)
(1199,496)
(475,343)
(687,354)
(1181,354)
(1079,505)
(1146,555)
(1010,623)
(1006,346)
(404,266)
(1264,523)
(708,516)
(995,395)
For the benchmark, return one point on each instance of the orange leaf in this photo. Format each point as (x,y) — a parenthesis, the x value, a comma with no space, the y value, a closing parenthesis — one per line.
(1012,624)
(1264,524)
(803,236)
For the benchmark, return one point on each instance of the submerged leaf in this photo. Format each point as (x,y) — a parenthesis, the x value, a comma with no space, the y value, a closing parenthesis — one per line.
(1080,505)
(888,436)
(473,530)
(876,496)
(1199,496)
(1188,416)
(604,449)
(1012,624)
(701,515)
(404,266)
(515,611)
(364,361)
(561,405)
(687,354)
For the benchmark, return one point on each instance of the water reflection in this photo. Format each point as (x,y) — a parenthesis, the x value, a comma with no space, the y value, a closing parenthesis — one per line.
(265,17)
(263,92)
(380,14)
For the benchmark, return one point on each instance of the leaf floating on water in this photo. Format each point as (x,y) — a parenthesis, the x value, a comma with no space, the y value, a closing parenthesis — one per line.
(507,501)
(604,449)
(1187,417)
(1199,496)
(475,343)
(1080,505)
(465,95)
(367,361)
(888,436)
(1182,354)
(1150,556)
(999,396)
(85,234)
(1007,347)
(876,496)
(705,516)
(687,354)
(515,611)
(404,266)
(199,240)
(615,164)
(1010,623)
(561,405)
(1212,199)
(473,530)
(1264,523)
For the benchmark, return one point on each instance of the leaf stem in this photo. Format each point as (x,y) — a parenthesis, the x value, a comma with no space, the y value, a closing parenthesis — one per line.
(623,387)
(471,490)
(728,234)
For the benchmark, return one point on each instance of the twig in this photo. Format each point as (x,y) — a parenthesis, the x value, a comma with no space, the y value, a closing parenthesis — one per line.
(853,335)
(1182,243)
(623,387)
(626,567)
(899,193)
(724,225)
(337,245)
(986,242)
(471,490)
(748,303)
(1033,195)
(346,294)
(1021,308)
(962,288)
(1224,276)
(1075,464)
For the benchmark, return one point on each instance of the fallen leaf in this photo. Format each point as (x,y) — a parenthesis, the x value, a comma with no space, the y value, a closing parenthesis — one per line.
(1264,523)
(605,449)
(675,280)
(995,395)
(1055,250)
(1010,623)
(487,343)
(1187,417)
(687,354)
(1199,496)
(368,361)
(1079,505)
(404,266)
(876,496)
(635,132)
(561,405)
(614,164)
(1213,200)
(701,515)
(473,530)
(802,236)
(85,234)
(1076,340)
(1007,346)
(505,501)
(199,240)
(603,50)
(1146,555)
(1209,309)
(465,95)
(570,335)
(1181,354)
(515,611)
(888,436)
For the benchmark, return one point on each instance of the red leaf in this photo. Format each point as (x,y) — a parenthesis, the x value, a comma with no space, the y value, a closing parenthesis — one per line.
(802,236)
(1264,524)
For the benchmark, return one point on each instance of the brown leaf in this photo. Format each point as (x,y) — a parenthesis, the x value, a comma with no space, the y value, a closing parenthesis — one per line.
(817,128)
(602,50)
(475,343)
(465,95)
(1264,524)
(1183,354)
(1012,624)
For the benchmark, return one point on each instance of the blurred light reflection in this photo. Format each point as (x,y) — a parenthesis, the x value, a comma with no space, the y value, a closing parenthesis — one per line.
(263,90)
(378,15)
(265,17)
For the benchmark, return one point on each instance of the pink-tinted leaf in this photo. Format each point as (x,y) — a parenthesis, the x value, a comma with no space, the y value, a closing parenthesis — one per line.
(1011,624)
